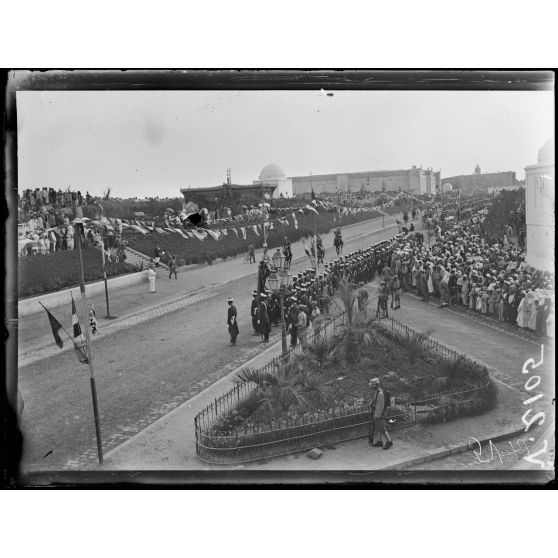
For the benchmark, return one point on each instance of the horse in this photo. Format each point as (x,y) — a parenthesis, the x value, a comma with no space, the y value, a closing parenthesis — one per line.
(288,253)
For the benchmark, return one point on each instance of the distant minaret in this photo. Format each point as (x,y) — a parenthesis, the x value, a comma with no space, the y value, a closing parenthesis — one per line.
(228,176)
(477,169)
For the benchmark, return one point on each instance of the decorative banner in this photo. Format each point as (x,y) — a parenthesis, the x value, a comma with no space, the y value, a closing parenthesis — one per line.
(215,235)
(170,230)
(301,211)
(243,231)
(190,234)
(181,233)
(161,231)
(312,209)
(235,232)
(255,229)
(295,221)
(199,235)
(225,232)
(139,229)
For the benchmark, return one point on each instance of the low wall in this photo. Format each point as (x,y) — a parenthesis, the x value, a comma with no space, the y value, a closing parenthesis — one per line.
(58,298)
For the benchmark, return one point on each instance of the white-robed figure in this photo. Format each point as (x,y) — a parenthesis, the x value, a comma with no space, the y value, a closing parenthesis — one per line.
(151,276)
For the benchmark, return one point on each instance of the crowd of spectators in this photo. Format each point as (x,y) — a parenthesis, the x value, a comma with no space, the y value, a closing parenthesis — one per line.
(43,201)
(464,267)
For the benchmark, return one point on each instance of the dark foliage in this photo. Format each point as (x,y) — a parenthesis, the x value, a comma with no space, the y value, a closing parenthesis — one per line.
(46,273)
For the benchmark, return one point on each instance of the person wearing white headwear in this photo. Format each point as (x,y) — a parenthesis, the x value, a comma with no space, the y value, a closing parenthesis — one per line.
(151,274)
(522,312)
(232,322)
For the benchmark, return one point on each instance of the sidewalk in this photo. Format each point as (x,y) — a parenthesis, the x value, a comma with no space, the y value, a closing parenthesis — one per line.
(33,332)
(169,444)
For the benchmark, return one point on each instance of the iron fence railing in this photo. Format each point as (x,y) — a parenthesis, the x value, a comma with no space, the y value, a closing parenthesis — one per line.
(205,420)
(240,444)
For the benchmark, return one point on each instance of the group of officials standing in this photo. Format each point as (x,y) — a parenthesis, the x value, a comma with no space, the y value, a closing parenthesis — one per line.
(308,300)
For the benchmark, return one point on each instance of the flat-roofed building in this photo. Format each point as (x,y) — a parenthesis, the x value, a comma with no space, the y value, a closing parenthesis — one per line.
(414,180)
(228,195)
(481,181)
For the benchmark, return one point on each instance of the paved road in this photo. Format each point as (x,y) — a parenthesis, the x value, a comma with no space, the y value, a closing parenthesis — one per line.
(34,333)
(145,366)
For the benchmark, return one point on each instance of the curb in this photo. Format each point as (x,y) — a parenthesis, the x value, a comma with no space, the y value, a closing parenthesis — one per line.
(452,449)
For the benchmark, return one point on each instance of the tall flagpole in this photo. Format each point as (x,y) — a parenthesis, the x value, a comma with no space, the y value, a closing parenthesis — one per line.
(314,243)
(109,316)
(88,339)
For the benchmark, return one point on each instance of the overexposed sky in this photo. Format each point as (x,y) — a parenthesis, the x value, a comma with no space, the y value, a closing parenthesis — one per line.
(152,143)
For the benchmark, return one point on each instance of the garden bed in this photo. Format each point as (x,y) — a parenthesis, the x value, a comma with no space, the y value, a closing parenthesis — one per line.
(427,383)
(46,273)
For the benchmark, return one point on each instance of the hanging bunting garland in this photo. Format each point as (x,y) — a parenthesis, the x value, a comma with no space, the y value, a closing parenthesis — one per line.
(214,234)
(243,231)
(236,232)
(255,229)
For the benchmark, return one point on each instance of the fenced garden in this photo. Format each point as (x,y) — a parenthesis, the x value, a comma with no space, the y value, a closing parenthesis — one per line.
(319,395)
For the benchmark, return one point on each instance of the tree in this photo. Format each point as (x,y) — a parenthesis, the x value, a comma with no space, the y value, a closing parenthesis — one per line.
(288,386)
(357,335)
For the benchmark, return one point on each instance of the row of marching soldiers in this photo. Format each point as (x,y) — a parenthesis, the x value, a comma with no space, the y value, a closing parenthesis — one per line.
(308,300)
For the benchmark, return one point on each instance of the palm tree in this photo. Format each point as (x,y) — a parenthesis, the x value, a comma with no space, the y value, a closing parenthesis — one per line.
(288,386)
(357,334)
(317,354)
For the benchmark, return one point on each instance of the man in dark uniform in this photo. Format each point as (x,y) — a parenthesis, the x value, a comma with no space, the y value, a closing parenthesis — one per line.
(232,321)
(254,312)
(264,326)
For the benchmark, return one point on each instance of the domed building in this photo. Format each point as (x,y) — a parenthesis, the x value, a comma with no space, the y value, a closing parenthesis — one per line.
(539,209)
(271,172)
(273,175)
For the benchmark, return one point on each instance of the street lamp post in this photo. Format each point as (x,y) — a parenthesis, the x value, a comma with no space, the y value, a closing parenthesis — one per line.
(279,282)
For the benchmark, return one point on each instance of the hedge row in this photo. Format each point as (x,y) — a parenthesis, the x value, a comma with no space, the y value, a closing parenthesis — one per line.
(46,273)
(194,251)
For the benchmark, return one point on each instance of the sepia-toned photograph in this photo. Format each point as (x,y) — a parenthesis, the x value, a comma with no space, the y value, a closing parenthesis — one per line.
(281,276)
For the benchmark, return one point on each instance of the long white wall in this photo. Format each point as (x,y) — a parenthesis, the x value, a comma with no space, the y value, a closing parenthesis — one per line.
(539,209)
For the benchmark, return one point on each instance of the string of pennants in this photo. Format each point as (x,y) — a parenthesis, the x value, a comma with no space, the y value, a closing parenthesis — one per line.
(201,234)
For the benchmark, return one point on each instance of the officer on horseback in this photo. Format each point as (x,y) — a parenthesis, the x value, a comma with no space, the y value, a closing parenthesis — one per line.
(338,241)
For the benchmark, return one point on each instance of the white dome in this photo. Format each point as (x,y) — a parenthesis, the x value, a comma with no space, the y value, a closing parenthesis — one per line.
(271,172)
